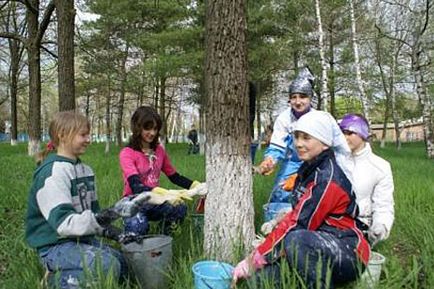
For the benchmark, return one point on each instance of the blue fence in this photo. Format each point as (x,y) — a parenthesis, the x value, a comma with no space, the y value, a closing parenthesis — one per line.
(22,137)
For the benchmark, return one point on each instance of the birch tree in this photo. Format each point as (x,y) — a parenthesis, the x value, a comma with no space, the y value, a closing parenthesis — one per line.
(322,50)
(229,208)
(354,40)
(415,20)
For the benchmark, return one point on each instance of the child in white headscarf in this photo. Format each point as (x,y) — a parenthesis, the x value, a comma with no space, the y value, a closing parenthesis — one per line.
(322,227)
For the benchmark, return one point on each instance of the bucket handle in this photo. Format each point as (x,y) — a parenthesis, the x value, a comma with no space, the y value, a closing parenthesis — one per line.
(206,283)
(227,274)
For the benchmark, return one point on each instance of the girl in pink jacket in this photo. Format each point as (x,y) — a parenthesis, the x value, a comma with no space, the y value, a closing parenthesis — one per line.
(142,162)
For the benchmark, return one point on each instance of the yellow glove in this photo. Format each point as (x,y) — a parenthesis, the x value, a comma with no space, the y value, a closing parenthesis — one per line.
(267,166)
(194,184)
(174,197)
(197,188)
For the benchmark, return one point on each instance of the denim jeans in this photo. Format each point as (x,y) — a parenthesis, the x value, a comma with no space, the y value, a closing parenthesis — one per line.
(69,263)
(306,250)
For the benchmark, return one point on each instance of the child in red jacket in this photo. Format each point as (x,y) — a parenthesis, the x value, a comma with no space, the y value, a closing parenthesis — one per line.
(322,227)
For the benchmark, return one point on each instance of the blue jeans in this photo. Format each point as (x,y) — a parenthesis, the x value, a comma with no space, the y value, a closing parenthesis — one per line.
(306,249)
(70,262)
(165,213)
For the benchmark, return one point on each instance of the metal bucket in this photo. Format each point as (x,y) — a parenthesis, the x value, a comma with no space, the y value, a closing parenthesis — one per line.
(150,260)
(372,273)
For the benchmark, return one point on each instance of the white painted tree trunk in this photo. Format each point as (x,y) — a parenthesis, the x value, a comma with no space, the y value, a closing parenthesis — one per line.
(363,97)
(33,147)
(324,68)
(426,102)
(229,205)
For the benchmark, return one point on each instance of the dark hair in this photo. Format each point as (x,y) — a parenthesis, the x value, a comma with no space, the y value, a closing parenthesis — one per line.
(145,117)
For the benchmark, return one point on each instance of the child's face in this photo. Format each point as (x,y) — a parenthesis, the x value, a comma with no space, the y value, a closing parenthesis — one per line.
(299,102)
(149,134)
(307,146)
(355,142)
(79,142)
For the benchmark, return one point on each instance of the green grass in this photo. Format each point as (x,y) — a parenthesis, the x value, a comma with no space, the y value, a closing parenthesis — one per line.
(409,250)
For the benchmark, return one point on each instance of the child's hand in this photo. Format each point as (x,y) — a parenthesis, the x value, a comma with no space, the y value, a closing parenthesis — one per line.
(197,189)
(267,166)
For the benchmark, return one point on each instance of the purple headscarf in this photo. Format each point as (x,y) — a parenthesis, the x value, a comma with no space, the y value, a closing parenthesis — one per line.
(355,123)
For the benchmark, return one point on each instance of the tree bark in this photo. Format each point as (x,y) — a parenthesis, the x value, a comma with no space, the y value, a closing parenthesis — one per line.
(163,132)
(324,79)
(65,47)
(363,97)
(119,122)
(34,78)
(426,101)
(107,117)
(14,48)
(229,208)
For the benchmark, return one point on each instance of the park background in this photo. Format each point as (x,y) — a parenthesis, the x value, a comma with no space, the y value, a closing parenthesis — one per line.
(105,58)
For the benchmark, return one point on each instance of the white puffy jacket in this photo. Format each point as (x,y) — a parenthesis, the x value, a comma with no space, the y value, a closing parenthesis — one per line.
(373,184)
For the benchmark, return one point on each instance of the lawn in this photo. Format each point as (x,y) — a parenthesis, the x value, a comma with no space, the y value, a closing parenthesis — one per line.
(409,250)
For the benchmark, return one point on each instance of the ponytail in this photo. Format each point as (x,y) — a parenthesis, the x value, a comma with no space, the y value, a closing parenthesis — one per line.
(42,155)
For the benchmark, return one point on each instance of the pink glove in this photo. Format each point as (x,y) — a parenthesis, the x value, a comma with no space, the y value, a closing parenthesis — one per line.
(241,271)
(249,265)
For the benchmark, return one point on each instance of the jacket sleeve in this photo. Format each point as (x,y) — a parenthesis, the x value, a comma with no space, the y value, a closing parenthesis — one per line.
(55,203)
(278,143)
(127,163)
(318,201)
(382,200)
(167,167)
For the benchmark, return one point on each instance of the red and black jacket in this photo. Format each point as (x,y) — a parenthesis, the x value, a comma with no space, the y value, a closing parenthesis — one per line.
(326,202)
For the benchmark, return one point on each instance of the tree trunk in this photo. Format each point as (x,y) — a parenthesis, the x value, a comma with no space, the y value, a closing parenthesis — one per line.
(363,97)
(65,47)
(426,102)
(229,208)
(163,132)
(332,84)
(392,91)
(122,97)
(14,48)
(34,79)
(324,80)
(107,118)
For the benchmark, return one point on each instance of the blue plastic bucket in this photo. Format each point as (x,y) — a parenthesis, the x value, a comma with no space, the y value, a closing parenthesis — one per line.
(212,275)
(271,210)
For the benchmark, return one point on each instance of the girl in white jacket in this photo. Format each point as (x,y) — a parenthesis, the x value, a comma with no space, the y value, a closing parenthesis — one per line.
(372,180)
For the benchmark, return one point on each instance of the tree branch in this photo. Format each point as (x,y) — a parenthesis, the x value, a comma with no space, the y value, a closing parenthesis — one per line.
(49,52)
(13,36)
(391,37)
(425,25)
(45,20)
(29,6)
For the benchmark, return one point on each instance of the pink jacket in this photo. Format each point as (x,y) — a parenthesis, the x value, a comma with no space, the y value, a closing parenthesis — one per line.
(147,167)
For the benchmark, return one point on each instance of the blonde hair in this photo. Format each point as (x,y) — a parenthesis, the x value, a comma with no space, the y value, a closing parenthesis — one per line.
(63,127)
